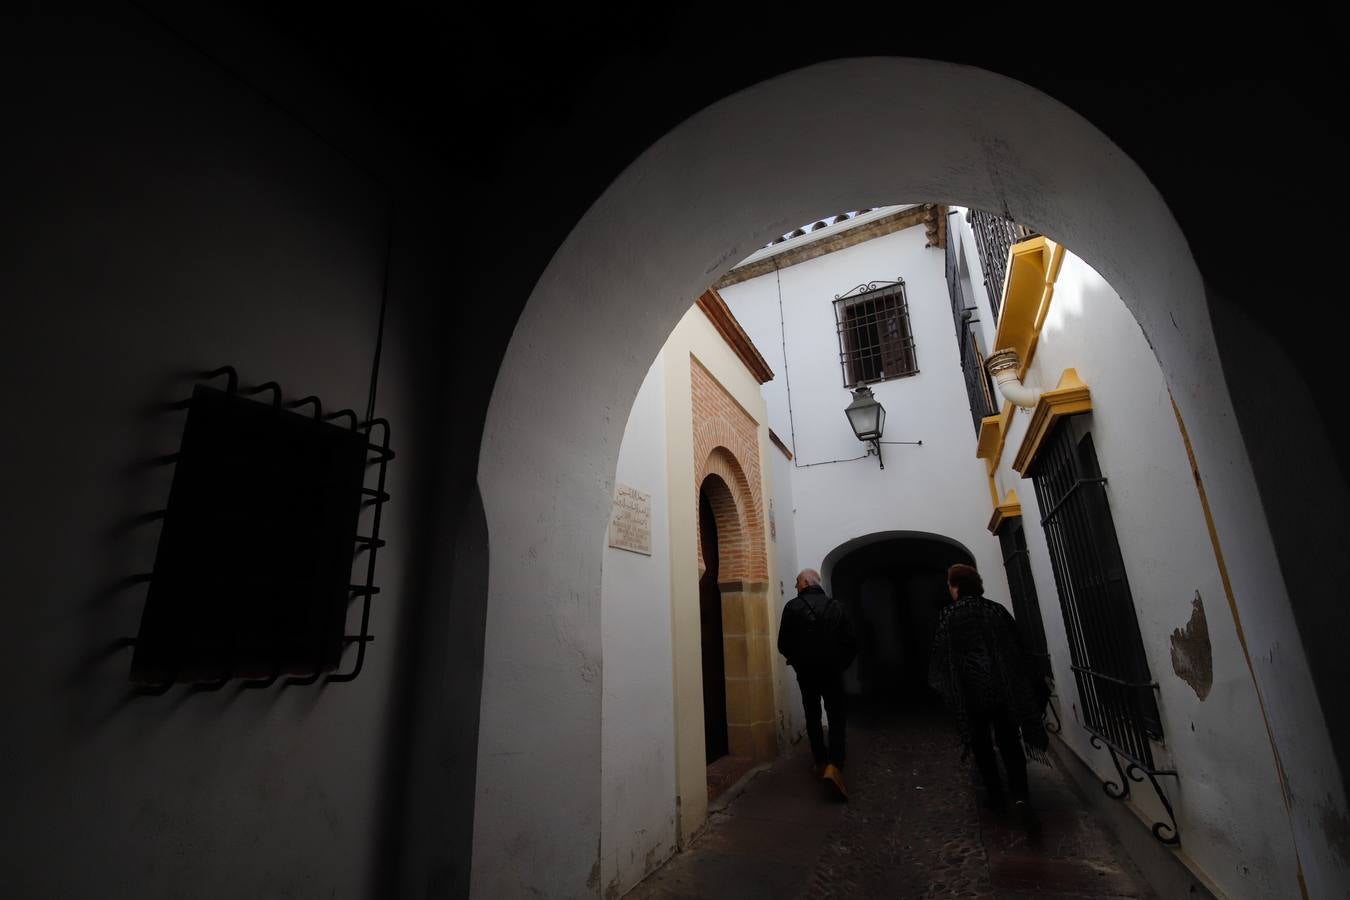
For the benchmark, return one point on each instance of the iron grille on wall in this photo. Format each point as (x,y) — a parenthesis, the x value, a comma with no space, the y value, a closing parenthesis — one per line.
(1022,587)
(295,481)
(978,387)
(994,237)
(1104,642)
(1120,710)
(875,342)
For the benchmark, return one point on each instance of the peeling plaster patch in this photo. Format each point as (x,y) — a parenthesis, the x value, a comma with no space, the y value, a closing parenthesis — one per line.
(1336,826)
(1192,656)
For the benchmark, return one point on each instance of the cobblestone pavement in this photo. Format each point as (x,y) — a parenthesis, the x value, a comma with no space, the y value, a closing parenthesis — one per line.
(912,829)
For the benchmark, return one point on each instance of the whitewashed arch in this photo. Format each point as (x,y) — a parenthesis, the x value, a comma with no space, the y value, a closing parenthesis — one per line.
(842,135)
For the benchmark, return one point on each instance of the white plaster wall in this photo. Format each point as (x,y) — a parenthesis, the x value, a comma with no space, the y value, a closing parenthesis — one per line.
(169,220)
(938,487)
(637,752)
(1233,823)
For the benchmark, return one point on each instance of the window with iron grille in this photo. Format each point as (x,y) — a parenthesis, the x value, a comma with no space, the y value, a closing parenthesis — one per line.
(994,237)
(1022,587)
(1107,652)
(978,387)
(875,342)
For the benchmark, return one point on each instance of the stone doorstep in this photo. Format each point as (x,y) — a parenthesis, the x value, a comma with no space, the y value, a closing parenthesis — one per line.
(726,773)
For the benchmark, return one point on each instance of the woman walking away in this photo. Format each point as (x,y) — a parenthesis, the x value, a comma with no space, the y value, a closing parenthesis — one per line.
(982,672)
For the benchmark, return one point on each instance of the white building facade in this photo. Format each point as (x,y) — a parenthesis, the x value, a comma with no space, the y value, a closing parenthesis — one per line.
(1210,727)
(680,692)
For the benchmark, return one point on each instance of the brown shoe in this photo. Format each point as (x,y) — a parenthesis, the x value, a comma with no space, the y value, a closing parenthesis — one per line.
(836,778)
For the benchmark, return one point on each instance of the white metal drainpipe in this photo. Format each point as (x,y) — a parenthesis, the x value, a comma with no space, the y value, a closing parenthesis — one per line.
(1002,365)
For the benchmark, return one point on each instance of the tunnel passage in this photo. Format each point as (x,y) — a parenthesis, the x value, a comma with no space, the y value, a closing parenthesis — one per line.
(894,588)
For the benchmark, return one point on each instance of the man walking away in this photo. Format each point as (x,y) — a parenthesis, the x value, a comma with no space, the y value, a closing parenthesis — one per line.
(817,639)
(981,670)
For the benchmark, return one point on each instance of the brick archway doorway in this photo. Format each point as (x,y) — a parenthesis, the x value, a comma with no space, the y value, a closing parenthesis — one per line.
(737,694)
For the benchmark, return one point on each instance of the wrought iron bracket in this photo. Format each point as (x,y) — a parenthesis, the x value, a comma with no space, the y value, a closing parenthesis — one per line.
(1056,726)
(1137,772)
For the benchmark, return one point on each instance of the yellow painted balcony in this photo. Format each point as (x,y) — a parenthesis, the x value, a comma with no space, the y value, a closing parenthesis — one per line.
(1033,267)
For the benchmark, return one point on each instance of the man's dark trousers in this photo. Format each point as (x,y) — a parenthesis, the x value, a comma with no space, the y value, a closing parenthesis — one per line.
(828,687)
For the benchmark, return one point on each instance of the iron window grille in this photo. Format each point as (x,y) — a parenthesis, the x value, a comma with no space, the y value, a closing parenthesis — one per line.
(293,484)
(1026,605)
(1120,709)
(979,388)
(994,237)
(875,340)
(1012,539)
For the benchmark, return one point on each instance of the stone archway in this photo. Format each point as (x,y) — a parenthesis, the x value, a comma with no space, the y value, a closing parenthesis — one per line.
(703,197)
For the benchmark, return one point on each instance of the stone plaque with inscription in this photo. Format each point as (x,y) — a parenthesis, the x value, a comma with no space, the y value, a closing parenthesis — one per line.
(630,523)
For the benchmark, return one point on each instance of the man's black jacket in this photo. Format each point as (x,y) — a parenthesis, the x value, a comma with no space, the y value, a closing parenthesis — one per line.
(815,634)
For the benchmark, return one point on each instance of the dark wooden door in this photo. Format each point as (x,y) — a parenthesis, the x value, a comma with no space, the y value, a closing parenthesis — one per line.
(710,616)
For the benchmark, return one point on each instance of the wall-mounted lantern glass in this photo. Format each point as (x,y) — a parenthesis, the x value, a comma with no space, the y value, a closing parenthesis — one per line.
(867,417)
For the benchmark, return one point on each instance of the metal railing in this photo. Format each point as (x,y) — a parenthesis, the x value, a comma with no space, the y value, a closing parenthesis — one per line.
(994,237)
(979,388)
(1022,588)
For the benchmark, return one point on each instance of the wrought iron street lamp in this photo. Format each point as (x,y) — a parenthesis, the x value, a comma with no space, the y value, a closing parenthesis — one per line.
(867,417)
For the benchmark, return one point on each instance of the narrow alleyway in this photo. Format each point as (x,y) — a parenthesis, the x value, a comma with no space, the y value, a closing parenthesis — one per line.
(912,829)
